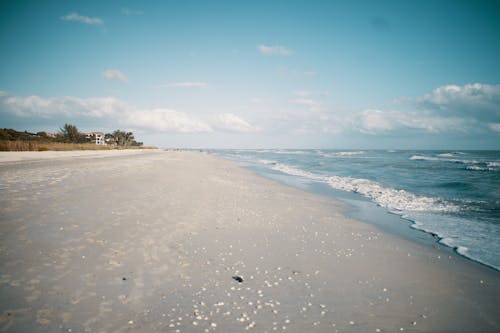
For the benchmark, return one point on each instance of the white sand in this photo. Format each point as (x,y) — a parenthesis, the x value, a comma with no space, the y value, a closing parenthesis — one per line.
(16,156)
(150,242)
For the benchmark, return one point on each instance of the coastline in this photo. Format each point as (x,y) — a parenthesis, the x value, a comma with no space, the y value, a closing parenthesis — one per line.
(151,242)
(444,210)
(363,210)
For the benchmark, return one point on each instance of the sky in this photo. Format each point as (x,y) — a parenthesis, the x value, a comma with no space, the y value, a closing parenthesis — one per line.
(256,74)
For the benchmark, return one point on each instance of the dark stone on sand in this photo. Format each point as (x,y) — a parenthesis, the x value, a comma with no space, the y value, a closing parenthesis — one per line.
(238,278)
(124,278)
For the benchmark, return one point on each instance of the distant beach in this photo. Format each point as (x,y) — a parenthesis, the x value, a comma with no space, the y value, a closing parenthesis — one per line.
(155,241)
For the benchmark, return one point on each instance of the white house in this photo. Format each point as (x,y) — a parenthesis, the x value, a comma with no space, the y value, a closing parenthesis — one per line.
(97,137)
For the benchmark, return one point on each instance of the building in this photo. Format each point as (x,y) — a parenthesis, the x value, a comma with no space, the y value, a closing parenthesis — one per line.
(97,137)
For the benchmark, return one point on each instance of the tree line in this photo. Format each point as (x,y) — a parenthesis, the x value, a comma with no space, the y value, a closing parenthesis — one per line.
(70,133)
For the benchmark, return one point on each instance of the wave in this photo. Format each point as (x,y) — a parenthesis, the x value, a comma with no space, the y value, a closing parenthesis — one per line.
(390,198)
(442,159)
(342,153)
(452,154)
(425,158)
(293,171)
(393,199)
(479,168)
(267,162)
(472,165)
(291,152)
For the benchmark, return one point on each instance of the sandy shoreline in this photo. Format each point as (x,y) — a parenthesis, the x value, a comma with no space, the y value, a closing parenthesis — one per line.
(151,241)
(20,156)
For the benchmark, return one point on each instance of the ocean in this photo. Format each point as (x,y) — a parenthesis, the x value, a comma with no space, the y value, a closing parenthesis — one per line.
(453,195)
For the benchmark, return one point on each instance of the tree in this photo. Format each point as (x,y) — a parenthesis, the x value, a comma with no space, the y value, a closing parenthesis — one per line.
(70,133)
(122,138)
(119,137)
(129,138)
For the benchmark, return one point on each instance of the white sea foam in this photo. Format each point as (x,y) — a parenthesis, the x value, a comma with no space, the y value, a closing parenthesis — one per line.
(473,165)
(479,168)
(467,239)
(462,250)
(267,162)
(424,158)
(450,242)
(452,154)
(349,153)
(342,153)
(297,172)
(291,152)
(392,199)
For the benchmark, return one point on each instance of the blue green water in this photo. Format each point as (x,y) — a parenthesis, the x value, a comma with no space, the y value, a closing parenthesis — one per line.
(452,194)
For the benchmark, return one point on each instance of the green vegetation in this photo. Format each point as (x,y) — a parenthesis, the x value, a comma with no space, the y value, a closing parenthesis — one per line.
(68,138)
(121,138)
(71,133)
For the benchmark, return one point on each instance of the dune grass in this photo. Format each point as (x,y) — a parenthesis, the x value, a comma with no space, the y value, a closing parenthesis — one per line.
(21,145)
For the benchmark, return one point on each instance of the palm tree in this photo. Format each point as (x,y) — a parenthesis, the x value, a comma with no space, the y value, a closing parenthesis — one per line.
(122,138)
(129,138)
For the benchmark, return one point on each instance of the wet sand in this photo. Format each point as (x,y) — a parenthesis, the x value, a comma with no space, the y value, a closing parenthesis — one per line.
(186,242)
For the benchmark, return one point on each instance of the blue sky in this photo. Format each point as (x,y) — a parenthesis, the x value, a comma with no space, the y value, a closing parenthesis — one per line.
(257,74)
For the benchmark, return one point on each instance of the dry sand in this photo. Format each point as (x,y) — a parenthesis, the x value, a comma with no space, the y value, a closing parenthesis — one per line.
(8,156)
(150,242)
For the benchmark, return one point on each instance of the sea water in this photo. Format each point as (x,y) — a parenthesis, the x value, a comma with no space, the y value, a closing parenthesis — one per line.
(454,195)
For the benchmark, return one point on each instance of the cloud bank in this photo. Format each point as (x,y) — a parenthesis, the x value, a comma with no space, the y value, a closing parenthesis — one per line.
(466,111)
(112,110)
(481,101)
(165,120)
(451,109)
(469,110)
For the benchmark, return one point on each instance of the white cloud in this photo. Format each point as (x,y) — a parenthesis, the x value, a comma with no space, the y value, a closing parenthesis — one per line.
(166,120)
(75,17)
(233,123)
(471,100)
(106,109)
(29,106)
(470,108)
(274,50)
(185,85)
(374,121)
(114,74)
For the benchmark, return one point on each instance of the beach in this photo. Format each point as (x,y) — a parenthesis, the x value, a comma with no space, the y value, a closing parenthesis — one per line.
(154,241)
